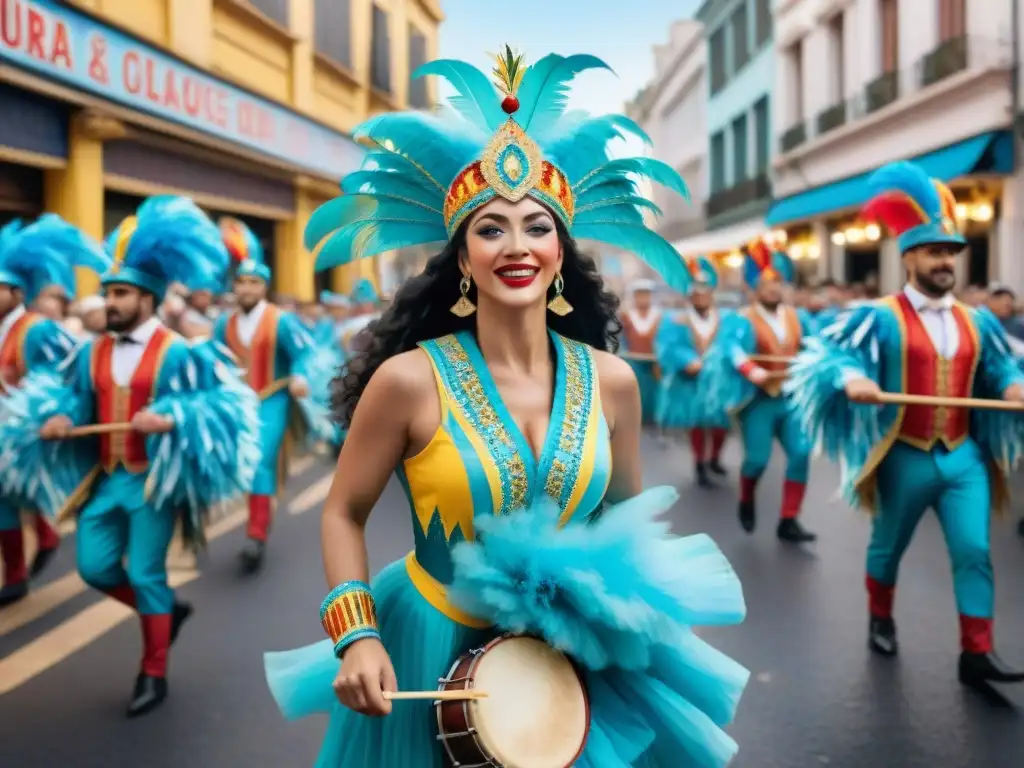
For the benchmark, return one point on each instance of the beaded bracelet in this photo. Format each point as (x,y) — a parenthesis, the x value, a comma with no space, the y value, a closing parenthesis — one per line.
(348,614)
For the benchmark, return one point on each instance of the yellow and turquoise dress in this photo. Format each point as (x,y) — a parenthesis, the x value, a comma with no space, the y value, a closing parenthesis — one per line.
(605,584)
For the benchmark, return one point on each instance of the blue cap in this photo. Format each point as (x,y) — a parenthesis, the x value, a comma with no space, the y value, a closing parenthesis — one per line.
(365,293)
(332,299)
(245,248)
(703,272)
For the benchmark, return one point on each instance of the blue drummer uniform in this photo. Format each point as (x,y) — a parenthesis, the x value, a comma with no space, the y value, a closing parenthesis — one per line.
(900,460)
(31,258)
(683,338)
(139,487)
(761,409)
(273,346)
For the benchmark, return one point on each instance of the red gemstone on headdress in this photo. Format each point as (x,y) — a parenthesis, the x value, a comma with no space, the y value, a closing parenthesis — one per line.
(509,105)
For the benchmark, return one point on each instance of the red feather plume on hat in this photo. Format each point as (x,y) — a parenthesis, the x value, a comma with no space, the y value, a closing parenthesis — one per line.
(233,232)
(897,210)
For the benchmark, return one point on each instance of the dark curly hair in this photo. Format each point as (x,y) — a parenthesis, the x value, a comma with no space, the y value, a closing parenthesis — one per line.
(420,311)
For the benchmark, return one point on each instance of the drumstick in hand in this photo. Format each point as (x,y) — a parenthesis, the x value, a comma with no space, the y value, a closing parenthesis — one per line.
(435,695)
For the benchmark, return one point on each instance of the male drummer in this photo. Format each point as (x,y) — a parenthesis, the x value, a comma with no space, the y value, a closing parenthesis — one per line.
(639,329)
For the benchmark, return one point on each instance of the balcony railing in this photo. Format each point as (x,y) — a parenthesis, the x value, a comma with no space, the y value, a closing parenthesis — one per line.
(831,118)
(881,91)
(749,191)
(946,59)
(793,137)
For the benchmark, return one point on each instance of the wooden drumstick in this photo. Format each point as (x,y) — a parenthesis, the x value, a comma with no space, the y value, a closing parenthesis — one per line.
(898,398)
(643,357)
(100,429)
(771,359)
(465,695)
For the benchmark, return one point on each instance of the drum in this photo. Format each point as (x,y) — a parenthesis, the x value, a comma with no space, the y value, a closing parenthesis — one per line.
(536,714)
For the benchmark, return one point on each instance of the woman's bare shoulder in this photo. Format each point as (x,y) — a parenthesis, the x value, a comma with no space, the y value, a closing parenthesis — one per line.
(406,375)
(614,373)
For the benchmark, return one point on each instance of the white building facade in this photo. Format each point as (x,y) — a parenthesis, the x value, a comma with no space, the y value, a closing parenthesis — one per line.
(859,83)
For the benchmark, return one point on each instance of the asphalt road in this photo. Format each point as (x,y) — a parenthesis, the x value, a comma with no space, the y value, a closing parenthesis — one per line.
(817,697)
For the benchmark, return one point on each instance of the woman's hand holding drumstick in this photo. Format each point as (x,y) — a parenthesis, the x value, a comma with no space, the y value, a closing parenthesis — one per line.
(365,674)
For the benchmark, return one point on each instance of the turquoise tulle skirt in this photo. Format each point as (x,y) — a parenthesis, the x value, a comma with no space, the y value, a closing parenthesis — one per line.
(619,595)
(683,404)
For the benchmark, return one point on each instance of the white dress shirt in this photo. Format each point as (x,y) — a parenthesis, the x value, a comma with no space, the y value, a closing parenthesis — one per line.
(9,321)
(776,320)
(249,321)
(938,320)
(703,326)
(128,354)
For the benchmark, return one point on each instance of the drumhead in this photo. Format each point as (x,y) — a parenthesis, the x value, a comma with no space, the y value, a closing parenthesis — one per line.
(535,715)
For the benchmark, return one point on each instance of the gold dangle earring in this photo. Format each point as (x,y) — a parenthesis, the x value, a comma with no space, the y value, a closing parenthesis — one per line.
(463,307)
(558,304)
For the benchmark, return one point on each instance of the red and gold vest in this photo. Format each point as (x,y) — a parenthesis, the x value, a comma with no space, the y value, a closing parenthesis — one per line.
(768,343)
(928,373)
(12,352)
(641,343)
(260,356)
(115,404)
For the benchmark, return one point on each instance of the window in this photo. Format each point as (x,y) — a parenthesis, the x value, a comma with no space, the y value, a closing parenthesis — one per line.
(418,97)
(716,53)
(740,39)
(952,19)
(763,21)
(333,30)
(796,83)
(739,150)
(274,9)
(838,58)
(718,162)
(762,137)
(380,52)
(889,19)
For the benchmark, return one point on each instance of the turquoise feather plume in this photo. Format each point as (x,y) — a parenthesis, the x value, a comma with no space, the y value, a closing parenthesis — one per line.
(47,251)
(398,197)
(911,180)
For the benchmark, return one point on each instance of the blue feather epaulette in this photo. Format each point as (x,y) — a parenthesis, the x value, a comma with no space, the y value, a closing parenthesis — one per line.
(41,474)
(210,456)
(1000,433)
(727,390)
(845,431)
(323,365)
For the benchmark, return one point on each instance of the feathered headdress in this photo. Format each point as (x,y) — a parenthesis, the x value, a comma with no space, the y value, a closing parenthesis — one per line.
(46,253)
(703,272)
(424,174)
(918,210)
(365,293)
(764,263)
(245,248)
(168,240)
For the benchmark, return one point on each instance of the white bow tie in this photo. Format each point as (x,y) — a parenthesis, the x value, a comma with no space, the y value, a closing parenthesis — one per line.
(935,306)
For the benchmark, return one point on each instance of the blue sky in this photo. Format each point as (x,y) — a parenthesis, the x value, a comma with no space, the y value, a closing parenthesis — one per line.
(621,32)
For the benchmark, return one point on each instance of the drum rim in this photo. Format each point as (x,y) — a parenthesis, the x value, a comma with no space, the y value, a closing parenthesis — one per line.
(476,655)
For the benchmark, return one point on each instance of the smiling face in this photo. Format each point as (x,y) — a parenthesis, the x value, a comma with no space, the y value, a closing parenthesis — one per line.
(512,252)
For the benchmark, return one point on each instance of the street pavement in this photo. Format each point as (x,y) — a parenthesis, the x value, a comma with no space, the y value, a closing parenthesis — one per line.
(817,697)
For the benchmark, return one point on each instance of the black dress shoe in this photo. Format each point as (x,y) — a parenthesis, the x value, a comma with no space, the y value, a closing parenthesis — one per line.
(12,593)
(792,531)
(149,694)
(42,559)
(882,636)
(179,616)
(1020,527)
(716,467)
(748,516)
(252,555)
(702,476)
(982,668)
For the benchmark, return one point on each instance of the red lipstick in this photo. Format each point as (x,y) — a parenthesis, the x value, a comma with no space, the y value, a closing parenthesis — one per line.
(517,275)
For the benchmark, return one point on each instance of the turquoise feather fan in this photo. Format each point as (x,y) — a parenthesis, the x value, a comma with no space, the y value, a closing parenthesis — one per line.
(398,197)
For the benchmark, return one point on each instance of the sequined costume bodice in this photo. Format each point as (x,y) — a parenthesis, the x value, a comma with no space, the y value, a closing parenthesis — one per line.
(480,463)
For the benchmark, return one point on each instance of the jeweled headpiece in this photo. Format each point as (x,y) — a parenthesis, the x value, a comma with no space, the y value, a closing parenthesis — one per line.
(915,208)
(424,174)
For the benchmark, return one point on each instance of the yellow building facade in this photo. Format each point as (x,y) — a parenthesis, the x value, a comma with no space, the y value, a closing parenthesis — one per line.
(244,105)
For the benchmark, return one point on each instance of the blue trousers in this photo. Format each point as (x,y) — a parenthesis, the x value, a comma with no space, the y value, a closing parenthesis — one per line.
(648,389)
(764,420)
(116,525)
(956,485)
(274,424)
(10,517)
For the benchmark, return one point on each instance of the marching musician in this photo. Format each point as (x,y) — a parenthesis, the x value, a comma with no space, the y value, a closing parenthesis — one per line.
(639,328)
(755,346)
(902,459)
(682,340)
(31,258)
(274,347)
(180,437)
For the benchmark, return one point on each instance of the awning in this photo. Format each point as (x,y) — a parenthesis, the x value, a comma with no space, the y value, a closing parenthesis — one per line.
(986,153)
(724,239)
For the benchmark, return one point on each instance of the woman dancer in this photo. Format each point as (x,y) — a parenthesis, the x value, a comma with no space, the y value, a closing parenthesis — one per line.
(487,389)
